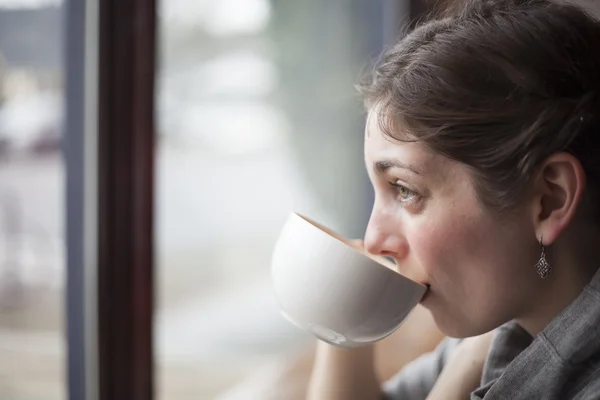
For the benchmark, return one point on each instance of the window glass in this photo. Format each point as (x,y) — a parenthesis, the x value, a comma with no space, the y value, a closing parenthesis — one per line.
(32,256)
(257,117)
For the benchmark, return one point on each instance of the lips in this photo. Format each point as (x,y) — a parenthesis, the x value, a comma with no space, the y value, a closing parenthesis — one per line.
(426,293)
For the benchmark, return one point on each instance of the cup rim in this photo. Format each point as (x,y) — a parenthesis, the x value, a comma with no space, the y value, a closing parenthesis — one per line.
(378,259)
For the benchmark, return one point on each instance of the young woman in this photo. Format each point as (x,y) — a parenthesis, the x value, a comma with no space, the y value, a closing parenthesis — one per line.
(483,147)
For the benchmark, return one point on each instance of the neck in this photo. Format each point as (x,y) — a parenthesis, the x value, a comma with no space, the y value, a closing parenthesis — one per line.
(570,274)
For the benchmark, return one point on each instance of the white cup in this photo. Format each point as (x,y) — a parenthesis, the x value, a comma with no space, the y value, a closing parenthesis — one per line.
(339,293)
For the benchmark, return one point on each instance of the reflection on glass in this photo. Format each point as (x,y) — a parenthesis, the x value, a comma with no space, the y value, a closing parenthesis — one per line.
(257,117)
(31,202)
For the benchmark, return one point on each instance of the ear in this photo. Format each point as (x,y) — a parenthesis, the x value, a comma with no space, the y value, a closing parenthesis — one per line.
(559,187)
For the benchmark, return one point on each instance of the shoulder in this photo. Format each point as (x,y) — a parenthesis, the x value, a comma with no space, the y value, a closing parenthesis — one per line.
(591,388)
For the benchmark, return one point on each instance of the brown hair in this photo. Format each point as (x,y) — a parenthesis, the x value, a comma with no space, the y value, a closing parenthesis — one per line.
(498,85)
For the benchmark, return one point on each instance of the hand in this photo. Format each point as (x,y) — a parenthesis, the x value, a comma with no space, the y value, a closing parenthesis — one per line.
(462,373)
(358,244)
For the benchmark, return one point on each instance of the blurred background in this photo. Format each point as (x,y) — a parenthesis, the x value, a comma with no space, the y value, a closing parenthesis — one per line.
(32,261)
(257,117)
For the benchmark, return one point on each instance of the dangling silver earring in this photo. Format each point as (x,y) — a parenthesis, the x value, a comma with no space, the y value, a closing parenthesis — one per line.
(543,268)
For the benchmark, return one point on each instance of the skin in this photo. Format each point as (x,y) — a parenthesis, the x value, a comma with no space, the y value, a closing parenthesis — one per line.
(479,264)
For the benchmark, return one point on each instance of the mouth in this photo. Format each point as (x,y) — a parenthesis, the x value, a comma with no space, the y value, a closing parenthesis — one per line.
(426,293)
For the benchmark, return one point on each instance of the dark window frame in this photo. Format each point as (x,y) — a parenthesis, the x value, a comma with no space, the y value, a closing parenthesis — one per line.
(109,154)
(126,198)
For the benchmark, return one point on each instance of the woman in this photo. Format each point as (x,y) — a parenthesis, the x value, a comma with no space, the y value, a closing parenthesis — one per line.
(483,147)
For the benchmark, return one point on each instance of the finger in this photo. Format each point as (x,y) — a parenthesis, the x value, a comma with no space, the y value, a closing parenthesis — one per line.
(357,243)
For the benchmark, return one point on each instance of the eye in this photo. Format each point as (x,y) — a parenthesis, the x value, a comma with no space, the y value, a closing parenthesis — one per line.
(404,193)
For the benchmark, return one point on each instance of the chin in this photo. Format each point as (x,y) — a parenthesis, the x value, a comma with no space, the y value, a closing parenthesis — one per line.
(457,326)
(458,331)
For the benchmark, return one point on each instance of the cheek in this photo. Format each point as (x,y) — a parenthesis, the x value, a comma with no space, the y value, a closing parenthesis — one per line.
(467,256)
(442,246)
(460,245)
(475,266)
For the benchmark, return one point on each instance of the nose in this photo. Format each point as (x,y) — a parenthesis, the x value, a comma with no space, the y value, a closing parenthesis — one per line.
(384,237)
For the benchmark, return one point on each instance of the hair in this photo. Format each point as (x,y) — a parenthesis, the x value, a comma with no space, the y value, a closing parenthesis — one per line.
(497,85)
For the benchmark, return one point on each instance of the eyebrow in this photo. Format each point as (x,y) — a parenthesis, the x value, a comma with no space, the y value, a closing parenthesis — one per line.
(382,166)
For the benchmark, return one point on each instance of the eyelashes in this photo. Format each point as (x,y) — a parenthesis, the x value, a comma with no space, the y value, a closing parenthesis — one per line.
(404,194)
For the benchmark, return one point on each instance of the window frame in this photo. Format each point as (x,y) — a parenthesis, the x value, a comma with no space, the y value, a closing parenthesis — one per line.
(109,157)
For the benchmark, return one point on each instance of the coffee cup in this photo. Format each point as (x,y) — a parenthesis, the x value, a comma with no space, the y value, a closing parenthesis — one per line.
(329,286)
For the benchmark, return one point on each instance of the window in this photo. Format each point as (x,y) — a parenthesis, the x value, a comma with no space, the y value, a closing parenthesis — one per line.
(253,98)
(32,181)
(257,117)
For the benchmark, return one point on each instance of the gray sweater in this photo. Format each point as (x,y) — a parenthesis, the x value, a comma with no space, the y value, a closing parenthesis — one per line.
(562,362)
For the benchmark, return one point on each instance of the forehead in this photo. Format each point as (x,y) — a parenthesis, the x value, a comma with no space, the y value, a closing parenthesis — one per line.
(379,147)
(434,167)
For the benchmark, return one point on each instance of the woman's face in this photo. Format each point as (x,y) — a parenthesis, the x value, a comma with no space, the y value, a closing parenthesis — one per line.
(427,217)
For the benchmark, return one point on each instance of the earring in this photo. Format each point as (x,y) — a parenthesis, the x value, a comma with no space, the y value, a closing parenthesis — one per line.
(543,268)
